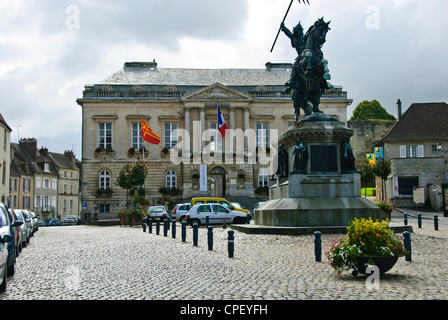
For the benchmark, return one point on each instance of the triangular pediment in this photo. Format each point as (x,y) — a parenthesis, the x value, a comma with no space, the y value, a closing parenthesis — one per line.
(217,91)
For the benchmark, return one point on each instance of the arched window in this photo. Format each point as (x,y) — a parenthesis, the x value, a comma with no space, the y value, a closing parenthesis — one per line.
(104,182)
(263,178)
(171,179)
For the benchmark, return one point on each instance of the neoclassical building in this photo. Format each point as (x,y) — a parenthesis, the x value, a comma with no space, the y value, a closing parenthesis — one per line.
(180,105)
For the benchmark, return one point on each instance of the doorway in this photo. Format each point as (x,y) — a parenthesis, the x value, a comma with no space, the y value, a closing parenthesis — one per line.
(218,182)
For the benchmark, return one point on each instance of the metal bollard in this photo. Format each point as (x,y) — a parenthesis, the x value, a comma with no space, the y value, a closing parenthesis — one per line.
(157,227)
(210,237)
(405,219)
(173,228)
(184,231)
(436,222)
(150,225)
(419,220)
(231,243)
(207,220)
(195,234)
(248,219)
(318,246)
(144,224)
(407,245)
(166,224)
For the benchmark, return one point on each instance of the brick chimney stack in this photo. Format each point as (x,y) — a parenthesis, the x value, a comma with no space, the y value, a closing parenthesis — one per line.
(30,146)
(69,155)
(44,152)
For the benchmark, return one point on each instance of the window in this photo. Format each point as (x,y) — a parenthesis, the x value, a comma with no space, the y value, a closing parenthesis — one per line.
(205,208)
(170,137)
(3,218)
(263,178)
(416,151)
(262,135)
(105,135)
(104,208)
(171,178)
(216,142)
(136,135)
(46,184)
(104,182)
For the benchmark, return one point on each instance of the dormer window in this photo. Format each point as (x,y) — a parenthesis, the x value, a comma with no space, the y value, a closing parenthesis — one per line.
(46,167)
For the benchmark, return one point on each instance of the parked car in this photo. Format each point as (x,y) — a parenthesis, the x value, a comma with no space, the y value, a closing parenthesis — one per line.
(221,201)
(4,239)
(70,220)
(52,222)
(18,231)
(180,211)
(35,220)
(26,226)
(5,242)
(157,213)
(217,214)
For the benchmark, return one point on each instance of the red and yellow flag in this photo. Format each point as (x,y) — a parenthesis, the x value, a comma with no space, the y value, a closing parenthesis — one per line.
(148,135)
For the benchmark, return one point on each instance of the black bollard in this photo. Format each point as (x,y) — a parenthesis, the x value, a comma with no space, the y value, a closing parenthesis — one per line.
(144,224)
(184,231)
(407,245)
(436,222)
(157,227)
(195,234)
(405,219)
(318,246)
(173,228)
(210,237)
(150,225)
(231,243)
(419,220)
(166,224)
(248,219)
(207,220)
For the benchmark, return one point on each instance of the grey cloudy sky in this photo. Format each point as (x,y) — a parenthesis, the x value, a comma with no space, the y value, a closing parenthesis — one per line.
(49,49)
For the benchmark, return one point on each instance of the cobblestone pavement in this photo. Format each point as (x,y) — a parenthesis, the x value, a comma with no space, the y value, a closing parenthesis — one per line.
(96,263)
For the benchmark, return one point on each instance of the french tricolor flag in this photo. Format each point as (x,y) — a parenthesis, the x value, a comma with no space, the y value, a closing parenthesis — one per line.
(222,127)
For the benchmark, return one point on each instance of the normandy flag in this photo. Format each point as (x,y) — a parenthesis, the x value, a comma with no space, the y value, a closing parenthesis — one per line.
(148,135)
(222,127)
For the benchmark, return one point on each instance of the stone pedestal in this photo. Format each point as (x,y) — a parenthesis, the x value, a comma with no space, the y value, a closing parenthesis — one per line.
(327,194)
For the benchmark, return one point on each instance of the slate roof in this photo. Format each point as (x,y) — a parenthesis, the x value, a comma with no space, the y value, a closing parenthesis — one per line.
(199,77)
(422,121)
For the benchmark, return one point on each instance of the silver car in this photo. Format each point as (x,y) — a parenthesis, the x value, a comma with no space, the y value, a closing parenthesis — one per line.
(5,237)
(157,213)
(180,211)
(26,226)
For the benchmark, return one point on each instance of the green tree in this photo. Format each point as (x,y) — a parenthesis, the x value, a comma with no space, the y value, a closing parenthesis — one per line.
(370,110)
(131,176)
(382,170)
(367,173)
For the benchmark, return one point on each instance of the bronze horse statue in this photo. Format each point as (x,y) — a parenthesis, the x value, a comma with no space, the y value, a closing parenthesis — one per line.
(310,71)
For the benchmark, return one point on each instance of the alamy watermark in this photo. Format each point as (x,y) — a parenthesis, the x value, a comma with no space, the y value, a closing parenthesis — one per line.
(73,20)
(236,147)
(373,18)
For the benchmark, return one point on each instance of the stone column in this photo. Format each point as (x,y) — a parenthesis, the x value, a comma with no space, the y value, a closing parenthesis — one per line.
(202,119)
(188,126)
(232,117)
(246,127)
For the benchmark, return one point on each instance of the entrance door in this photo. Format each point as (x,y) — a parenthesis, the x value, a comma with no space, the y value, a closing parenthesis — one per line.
(445,199)
(218,182)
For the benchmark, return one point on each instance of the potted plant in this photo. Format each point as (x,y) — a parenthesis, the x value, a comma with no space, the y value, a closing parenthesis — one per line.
(366,243)
(131,216)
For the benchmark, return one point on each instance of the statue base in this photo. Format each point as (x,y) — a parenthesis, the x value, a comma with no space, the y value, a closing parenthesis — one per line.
(327,195)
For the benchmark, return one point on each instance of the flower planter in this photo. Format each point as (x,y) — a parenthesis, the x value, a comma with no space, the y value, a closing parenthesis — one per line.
(384,263)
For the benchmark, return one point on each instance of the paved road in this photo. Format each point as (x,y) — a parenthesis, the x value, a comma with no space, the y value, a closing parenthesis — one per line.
(119,263)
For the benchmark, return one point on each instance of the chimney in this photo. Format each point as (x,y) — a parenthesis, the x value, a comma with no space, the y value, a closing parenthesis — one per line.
(30,146)
(69,155)
(44,152)
(399,109)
